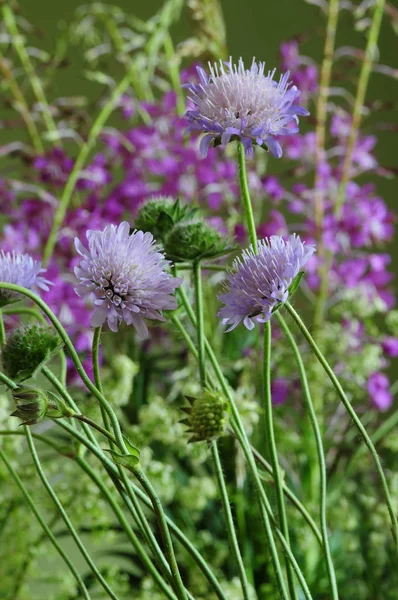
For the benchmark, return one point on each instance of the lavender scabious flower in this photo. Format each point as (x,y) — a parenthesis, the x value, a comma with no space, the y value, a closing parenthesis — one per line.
(244,104)
(260,281)
(123,273)
(20,269)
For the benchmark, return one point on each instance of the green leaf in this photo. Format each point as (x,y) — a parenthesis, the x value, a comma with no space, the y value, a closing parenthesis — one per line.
(129,461)
(295,283)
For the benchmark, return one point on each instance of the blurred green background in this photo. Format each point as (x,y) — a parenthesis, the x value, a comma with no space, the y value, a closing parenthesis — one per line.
(255,28)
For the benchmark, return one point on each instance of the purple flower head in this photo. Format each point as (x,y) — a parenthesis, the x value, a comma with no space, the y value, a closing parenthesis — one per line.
(123,273)
(261,281)
(244,104)
(20,269)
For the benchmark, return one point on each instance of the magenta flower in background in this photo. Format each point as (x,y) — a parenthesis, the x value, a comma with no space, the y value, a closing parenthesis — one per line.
(20,269)
(379,391)
(124,275)
(260,281)
(245,104)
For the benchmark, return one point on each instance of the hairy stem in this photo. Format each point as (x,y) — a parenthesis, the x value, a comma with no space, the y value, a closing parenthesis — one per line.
(251,226)
(274,454)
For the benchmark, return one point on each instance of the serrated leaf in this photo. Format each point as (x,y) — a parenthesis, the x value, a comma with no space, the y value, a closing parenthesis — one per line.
(129,461)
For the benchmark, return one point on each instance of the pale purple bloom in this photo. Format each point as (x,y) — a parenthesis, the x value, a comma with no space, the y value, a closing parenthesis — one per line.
(390,346)
(379,391)
(20,269)
(123,273)
(245,104)
(261,281)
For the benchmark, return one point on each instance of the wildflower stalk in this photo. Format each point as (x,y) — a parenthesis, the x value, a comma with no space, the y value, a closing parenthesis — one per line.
(34,80)
(267,383)
(321,455)
(251,226)
(2,330)
(85,150)
(352,413)
(370,55)
(173,65)
(46,529)
(65,517)
(164,530)
(21,106)
(129,531)
(265,507)
(106,431)
(273,452)
(233,539)
(112,470)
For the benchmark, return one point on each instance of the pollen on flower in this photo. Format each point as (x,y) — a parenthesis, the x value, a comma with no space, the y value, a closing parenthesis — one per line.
(244,104)
(259,281)
(123,273)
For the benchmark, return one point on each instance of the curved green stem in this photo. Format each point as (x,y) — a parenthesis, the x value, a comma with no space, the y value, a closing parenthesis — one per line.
(164,530)
(80,161)
(65,517)
(353,415)
(2,331)
(130,533)
(214,447)
(43,524)
(73,355)
(274,454)
(321,456)
(233,540)
(246,196)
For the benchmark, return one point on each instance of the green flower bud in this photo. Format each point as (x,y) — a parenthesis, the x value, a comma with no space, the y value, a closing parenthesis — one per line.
(207,417)
(32,404)
(194,240)
(160,214)
(28,349)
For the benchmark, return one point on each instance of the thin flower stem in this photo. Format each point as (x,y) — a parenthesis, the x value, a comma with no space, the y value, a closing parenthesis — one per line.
(129,531)
(2,331)
(233,540)
(251,226)
(112,471)
(291,496)
(197,276)
(370,55)
(43,524)
(34,80)
(164,530)
(321,455)
(136,508)
(65,517)
(353,415)
(73,355)
(321,113)
(270,434)
(80,161)
(265,507)
(21,106)
(24,310)
(173,64)
(95,426)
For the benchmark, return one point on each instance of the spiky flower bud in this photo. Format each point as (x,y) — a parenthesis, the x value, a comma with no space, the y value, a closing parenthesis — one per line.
(194,240)
(31,404)
(207,417)
(159,215)
(27,349)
